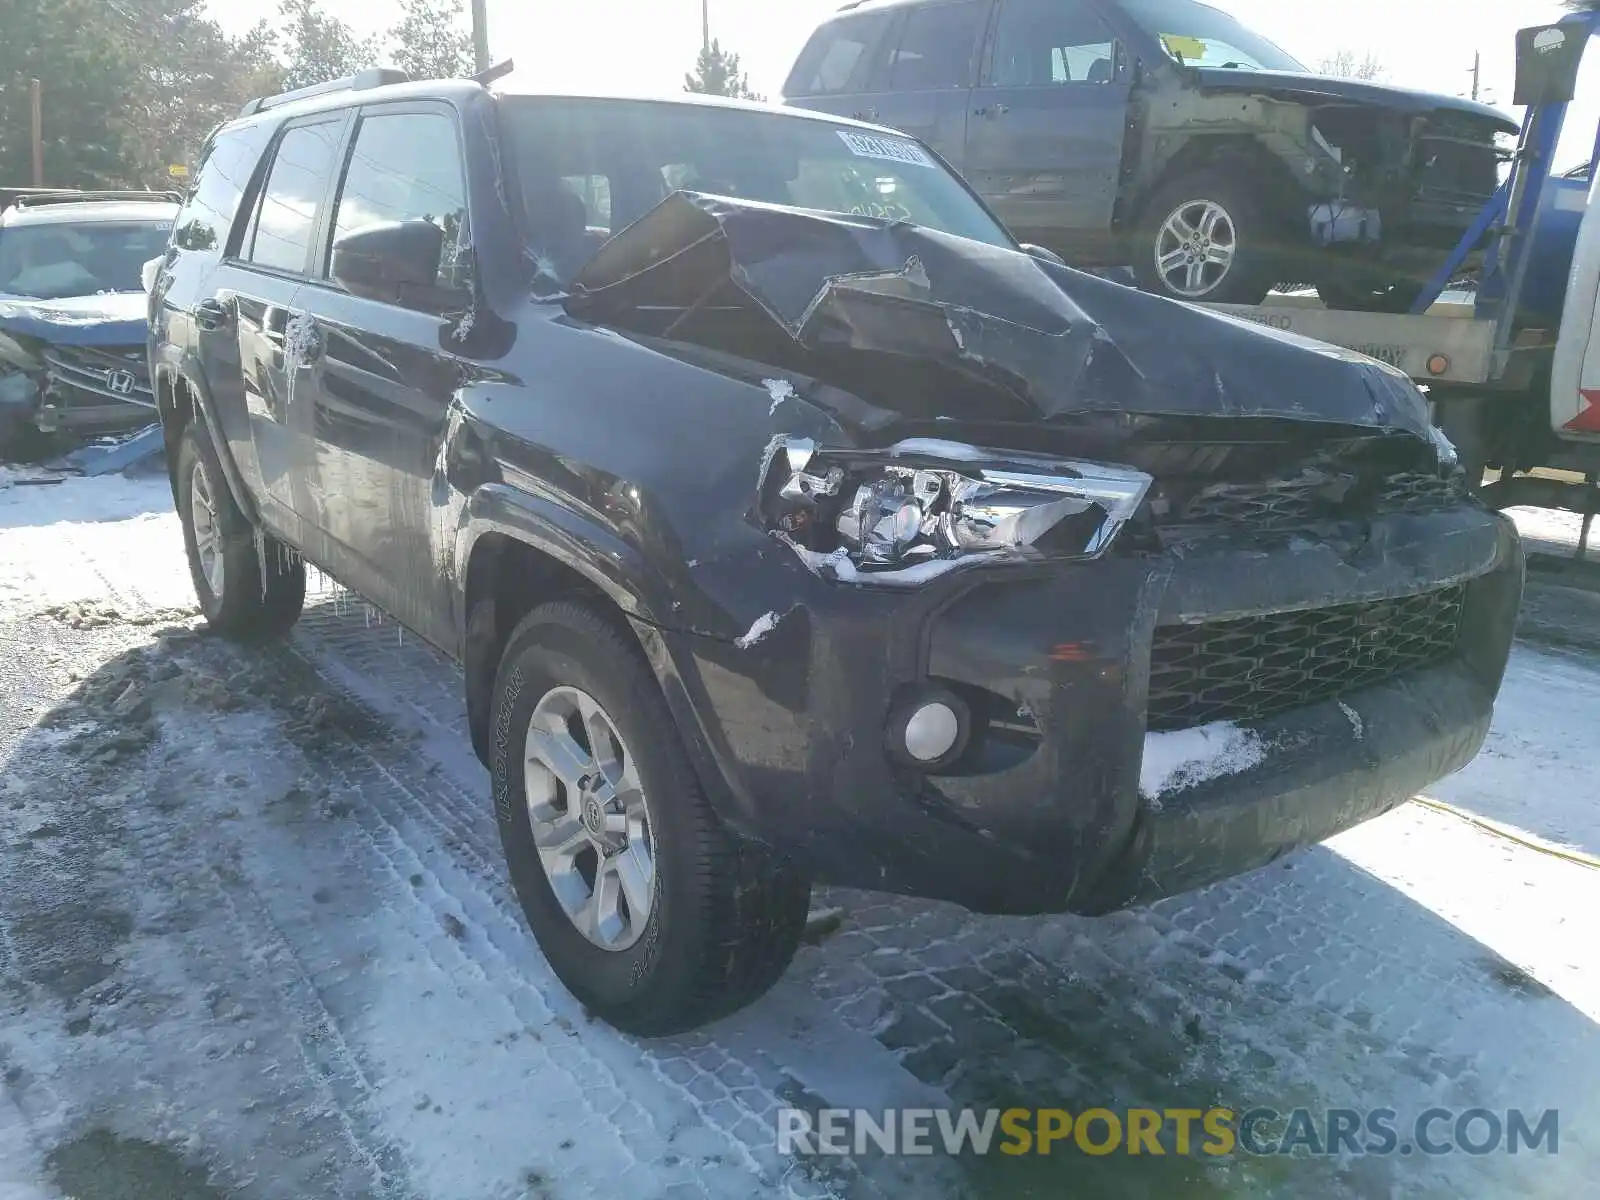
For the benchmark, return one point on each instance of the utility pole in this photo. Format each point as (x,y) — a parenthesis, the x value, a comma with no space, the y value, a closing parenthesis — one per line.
(1477,68)
(705,25)
(480,34)
(36,95)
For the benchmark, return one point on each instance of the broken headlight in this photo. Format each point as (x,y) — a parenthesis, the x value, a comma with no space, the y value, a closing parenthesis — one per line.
(905,515)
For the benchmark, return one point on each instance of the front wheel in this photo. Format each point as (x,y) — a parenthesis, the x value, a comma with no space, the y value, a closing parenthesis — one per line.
(651,912)
(248,583)
(1205,239)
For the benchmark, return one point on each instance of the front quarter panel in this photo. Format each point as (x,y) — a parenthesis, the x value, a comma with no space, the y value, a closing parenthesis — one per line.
(633,466)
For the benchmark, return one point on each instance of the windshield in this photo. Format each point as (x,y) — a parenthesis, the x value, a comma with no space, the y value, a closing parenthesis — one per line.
(1198,35)
(590,168)
(54,261)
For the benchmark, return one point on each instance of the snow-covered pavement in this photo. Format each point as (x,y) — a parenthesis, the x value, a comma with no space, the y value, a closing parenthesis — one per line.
(255,940)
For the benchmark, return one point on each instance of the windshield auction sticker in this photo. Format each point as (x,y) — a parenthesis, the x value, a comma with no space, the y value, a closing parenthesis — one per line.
(867,145)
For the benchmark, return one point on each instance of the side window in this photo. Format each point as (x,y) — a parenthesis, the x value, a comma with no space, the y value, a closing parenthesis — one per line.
(936,49)
(1040,43)
(221,178)
(833,57)
(286,219)
(595,192)
(407,167)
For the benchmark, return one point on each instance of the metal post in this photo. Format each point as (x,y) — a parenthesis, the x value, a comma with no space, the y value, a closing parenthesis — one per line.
(480,34)
(1477,67)
(1588,515)
(36,90)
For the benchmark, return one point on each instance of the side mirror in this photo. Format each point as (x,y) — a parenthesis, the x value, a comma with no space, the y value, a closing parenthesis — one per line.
(1049,256)
(389,261)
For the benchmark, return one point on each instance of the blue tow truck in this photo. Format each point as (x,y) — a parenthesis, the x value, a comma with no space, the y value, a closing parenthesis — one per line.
(1513,372)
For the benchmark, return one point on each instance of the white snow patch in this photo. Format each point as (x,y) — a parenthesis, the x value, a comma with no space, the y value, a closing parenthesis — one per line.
(90,539)
(839,567)
(764,625)
(1354,718)
(780,390)
(1191,756)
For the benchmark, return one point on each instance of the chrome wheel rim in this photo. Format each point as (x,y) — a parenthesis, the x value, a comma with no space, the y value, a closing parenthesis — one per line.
(591,825)
(207,529)
(1196,248)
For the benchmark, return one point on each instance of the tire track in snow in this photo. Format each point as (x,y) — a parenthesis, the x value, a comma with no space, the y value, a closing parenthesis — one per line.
(398,819)
(183,989)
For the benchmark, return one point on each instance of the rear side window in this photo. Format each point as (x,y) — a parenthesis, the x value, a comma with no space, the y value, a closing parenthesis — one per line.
(1040,43)
(833,58)
(286,219)
(221,180)
(937,47)
(407,167)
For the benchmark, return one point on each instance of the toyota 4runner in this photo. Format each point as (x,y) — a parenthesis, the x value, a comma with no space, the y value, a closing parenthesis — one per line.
(1166,134)
(780,541)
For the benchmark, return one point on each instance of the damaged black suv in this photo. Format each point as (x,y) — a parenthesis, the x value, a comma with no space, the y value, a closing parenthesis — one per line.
(779,543)
(1166,134)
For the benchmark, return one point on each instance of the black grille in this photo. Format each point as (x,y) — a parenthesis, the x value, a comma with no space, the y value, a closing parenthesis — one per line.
(1284,505)
(1247,669)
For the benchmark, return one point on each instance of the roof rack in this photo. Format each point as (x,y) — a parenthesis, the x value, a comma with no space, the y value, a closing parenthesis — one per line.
(43,198)
(496,72)
(361,81)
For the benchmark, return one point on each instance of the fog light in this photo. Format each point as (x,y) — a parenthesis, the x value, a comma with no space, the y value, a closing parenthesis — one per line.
(930,730)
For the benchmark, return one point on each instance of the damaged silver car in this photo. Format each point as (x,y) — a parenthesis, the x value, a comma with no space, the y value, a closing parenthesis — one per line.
(783,542)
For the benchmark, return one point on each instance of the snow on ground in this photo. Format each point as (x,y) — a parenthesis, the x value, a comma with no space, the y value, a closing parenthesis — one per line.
(59,532)
(255,940)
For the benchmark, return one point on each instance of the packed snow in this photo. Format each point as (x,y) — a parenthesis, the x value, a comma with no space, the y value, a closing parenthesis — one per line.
(256,940)
(762,626)
(1192,756)
(780,390)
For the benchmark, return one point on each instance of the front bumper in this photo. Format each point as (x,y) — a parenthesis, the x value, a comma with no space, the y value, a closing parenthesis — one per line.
(1047,815)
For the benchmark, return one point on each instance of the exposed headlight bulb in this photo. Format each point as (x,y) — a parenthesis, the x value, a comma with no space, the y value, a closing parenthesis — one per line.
(884,519)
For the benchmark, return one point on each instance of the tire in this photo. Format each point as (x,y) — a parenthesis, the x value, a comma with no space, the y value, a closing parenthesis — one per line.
(1358,291)
(1238,226)
(261,586)
(725,914)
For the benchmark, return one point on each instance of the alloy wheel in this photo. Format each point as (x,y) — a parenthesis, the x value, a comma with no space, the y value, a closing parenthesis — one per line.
(590,822)
(1195,248)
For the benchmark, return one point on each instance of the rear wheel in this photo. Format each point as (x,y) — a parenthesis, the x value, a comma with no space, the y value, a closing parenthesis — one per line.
(249,584)
(651,912)
(1205,238)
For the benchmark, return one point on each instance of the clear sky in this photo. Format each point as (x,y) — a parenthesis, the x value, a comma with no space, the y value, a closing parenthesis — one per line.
(647,45)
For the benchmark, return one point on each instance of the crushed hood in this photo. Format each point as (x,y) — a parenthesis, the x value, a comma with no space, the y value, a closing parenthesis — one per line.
(112,319)
(1323,89)
(861,297)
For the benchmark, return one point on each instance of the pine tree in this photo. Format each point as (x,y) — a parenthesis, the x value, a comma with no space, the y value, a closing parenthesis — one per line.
(716,73)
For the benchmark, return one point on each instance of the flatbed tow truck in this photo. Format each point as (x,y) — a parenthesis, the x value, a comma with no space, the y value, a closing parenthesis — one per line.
(1513,369)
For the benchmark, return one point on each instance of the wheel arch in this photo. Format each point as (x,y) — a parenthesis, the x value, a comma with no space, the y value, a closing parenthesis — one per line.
(180,399)
(1220,152)
(517,552)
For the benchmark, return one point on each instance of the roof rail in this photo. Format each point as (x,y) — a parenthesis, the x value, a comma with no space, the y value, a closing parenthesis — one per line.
(849,4)
(361,81)
(41,199)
